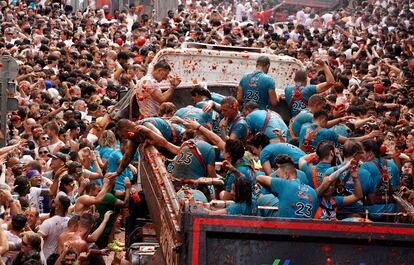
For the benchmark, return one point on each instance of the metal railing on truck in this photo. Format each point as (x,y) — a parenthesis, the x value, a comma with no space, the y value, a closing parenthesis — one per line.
(188,238)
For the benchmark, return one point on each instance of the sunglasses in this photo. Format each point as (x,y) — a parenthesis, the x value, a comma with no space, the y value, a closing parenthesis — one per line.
(79,172)
(45,138)
(43,152)
(72,184)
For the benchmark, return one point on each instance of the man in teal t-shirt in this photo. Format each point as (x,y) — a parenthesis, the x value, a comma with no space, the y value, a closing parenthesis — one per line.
(258,86)
(296,200)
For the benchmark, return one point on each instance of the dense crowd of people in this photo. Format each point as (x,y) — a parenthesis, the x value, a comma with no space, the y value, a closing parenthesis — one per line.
(66,172)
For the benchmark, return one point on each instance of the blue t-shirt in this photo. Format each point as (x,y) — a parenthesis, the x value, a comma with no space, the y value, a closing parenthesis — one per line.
(113,163)
(271,151)
(393,173)
(366,185)
(296,200)
(256,88)
(104,152)
(214,116)
(322,135)
(269,200)
(300,175)
(216,97)
(304,117)
(238,127)
(164,127)
(298,105)
(243,167)
(328,212)
(320,172)
(186,163)
(256,121)
(242,208)
(193,113)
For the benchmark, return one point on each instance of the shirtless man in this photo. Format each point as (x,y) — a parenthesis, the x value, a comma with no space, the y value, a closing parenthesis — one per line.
(80,238)
(92,197)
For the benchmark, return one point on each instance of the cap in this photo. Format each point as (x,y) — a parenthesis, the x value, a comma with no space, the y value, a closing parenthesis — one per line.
(58,155)
(31,173)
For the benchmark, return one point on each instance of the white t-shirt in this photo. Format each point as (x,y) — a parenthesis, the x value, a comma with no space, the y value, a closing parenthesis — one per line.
(34,197)
(239,11)
(51,229)
(148,106)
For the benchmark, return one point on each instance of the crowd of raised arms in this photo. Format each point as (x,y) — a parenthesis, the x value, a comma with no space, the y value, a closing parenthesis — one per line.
(66,172)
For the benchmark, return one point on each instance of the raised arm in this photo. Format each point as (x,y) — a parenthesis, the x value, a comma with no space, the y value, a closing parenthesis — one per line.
(357,195)
(214,138)
(327,181)
(4,244)
(98,231)
(330,80)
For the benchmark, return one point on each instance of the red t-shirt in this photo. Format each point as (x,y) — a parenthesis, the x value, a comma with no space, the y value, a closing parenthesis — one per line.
(264,16)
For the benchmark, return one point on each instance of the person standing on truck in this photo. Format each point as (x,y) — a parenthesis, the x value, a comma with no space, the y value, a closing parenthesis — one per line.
(258,86)
(149,95)
(296,200)
(297,96)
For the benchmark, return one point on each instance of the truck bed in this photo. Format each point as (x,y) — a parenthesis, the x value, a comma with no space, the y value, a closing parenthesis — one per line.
(189,238)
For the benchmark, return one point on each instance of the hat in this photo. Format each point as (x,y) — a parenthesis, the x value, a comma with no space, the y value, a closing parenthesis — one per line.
(32,172)
(379,88)
(58,155)
(48,84)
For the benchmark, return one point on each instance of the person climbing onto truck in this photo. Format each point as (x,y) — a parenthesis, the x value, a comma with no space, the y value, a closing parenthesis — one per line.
(297,95)
(258,86)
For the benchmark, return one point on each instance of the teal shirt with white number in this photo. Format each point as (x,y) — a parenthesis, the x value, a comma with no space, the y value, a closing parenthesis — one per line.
(299,105)
(188,166)
(256,87)
(296,200)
